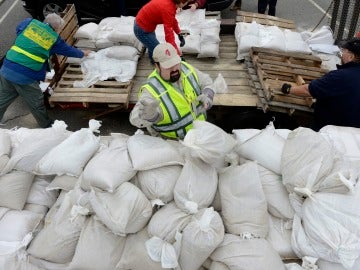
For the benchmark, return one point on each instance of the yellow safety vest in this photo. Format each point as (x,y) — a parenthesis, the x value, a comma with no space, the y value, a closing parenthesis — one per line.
(179,109)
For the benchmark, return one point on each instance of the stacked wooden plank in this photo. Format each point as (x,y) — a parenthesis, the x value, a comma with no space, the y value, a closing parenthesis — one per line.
(270,69)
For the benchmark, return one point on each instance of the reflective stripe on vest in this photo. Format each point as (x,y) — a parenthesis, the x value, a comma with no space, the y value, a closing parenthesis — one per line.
(30,55)
(32,46)
(176,122)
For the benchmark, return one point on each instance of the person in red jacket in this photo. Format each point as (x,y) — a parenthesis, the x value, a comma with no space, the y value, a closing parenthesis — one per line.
(158,12)
(195,4)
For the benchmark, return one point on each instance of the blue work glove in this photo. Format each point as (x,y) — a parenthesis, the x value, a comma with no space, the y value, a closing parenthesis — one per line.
(148,110)
(206,98)
(182,40)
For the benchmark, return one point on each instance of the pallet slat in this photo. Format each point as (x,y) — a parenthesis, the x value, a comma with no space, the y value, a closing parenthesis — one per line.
(263,19)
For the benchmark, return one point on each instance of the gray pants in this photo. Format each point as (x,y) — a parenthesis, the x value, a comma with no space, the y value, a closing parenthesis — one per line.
(32,95)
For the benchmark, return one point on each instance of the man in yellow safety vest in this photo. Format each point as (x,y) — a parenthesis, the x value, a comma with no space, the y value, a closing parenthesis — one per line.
(174,95)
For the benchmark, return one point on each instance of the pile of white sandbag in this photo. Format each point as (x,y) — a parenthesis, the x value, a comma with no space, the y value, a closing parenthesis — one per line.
(202,35)
(111,31)
(253,34)
(247,200)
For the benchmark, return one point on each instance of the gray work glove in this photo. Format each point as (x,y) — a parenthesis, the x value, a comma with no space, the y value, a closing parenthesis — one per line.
(206,98)
(148,110)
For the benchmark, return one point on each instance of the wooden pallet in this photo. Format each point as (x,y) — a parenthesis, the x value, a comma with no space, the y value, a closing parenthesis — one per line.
(270,69)
(67,33)
(241,92)
(263,19)
(109,91)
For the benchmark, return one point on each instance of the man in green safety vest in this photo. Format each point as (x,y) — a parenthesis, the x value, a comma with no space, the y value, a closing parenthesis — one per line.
(175,94)
(26,64)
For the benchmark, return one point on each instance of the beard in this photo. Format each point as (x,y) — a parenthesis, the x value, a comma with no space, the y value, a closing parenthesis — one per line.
(174,76)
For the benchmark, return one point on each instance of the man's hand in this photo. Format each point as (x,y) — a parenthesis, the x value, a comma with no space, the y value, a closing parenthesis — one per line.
(182,40)
(285,88)
(148,110)
(206,98)
(87,52)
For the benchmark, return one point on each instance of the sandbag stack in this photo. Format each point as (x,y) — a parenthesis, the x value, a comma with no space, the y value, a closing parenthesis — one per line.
(246,200)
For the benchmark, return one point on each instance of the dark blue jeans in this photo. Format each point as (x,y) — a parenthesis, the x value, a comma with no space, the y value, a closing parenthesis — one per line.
(149,40)
(262,5)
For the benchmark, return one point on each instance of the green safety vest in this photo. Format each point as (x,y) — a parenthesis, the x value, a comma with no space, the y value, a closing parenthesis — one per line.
(32,46)
(178,109)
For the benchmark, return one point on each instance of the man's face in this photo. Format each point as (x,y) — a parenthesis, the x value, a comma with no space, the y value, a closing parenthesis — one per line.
(171,74)
(346,56)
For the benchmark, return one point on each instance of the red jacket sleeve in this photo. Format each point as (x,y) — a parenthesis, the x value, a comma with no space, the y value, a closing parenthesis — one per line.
(171,25)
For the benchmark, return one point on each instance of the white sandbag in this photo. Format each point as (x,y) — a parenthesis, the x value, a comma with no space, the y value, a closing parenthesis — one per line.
(15,225)
(242,135)
(98,248)
(279,237)
(276,194)
(127,210)
(104,43)
(218,266)
(46,265)
(243,202)
(158,184)
(53,210)
(332,223)
(135,255)
(39,195)
(86,44)
(27,152)
(346,140)
(209,49)
(123,52)
(192,44)
(244,29)
(306,159)
(167,221)
(210,31)
(70,156)
(73,60)
(325,265)
(148,152)
(110,167)
(87,31)
(196,186)
(219,85)
(200,238)
(36,208)
(17,262)
(322,36)
(295,43)
(57,241)
(239,254)
(265,148)
(272,37)
(62,182)
(3,211)
(14,189)
(5,148)
(209,143)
